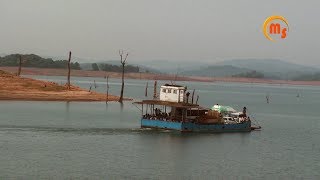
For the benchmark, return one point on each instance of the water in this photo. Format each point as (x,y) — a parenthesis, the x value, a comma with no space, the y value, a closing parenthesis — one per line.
(58,140)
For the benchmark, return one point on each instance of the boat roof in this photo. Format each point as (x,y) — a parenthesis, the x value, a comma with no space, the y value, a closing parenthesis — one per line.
(173,85)
(168,103)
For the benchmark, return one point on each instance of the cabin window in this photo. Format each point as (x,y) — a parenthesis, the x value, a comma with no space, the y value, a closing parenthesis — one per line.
(174,91)
(169,90)
(164,90)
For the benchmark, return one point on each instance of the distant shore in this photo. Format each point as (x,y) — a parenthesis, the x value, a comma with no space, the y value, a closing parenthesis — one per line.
(13,87)
(150,76)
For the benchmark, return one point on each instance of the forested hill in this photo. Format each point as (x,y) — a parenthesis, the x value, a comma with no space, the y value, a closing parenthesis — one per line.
(114,68)
(32,60)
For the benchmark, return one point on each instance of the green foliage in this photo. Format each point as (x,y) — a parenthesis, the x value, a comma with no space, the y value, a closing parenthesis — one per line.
(308,77)
(115,68)
(32,60)
(95,67)
(250,74)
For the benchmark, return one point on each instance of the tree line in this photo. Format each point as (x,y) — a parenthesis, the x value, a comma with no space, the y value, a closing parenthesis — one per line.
(113,68)
(250,74)
(32,60)
(308,77)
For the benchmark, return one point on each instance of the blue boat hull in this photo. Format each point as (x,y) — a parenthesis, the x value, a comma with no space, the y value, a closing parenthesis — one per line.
(194,127)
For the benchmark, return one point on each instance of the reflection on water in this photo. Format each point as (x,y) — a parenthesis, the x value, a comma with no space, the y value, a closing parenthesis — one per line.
(121,106)
(67,110)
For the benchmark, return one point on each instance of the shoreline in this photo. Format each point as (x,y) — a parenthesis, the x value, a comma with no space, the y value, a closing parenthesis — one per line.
(15,88)
(150,76)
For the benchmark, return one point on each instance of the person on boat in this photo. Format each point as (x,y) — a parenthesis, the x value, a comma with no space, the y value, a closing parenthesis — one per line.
(156,111)
(244,111)
(188,94)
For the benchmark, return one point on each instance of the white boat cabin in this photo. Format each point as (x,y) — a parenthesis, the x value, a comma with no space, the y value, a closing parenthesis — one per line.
(172,93)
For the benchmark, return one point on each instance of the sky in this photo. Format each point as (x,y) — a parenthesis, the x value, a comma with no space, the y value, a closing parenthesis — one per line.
(174,30)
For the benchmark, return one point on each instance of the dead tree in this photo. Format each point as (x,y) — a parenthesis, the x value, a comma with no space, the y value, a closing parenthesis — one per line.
(192,96)
(68,83)
(123,61)
(20,64)
(155,90)
(107,89)
(95,84)
(146,90)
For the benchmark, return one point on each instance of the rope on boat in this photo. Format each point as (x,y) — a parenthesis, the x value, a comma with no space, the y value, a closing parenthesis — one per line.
(256,123)
(137,106)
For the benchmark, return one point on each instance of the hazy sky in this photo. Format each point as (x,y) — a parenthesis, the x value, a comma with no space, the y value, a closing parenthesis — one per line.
(201,30)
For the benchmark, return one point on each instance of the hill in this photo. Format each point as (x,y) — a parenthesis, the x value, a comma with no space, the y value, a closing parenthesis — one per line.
(172,67)
(217,71)
(250,74)
(272,68)
(32,60)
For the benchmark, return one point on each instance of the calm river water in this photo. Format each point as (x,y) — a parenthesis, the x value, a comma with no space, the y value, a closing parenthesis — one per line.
(59,140)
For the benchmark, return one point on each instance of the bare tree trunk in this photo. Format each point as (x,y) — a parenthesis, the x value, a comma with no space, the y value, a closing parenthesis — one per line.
(68,83)
(146,91)
(20,64)
(155,90)
(107,89)
(123,61)
(122,85)
(192,96)
(197,99)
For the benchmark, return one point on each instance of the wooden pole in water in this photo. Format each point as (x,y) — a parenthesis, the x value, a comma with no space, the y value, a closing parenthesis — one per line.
(197,99)
(20,64)
(95,85)
(146,90)
(107,89)
(155,90)
(192,96)
(68,83)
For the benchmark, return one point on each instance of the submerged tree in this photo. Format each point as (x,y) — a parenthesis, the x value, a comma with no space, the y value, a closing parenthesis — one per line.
(123,61)
(95,67)
(107,89)
(155,90)
(20,64)
(69,67)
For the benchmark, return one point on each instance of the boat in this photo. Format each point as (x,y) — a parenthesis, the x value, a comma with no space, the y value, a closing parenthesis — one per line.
(173,111)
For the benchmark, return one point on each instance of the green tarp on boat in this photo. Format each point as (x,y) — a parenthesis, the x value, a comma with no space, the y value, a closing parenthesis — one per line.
(222,109)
